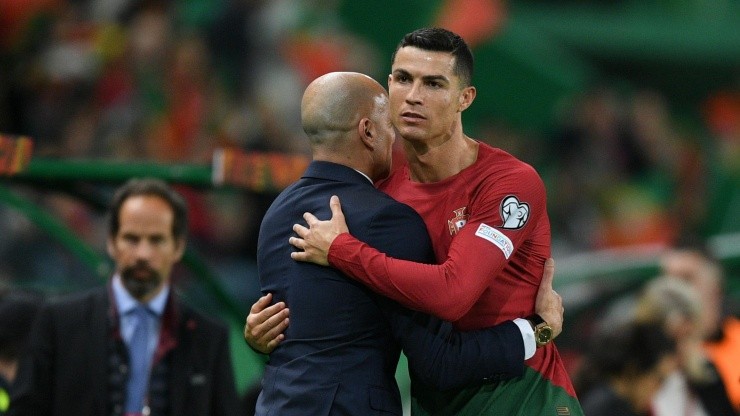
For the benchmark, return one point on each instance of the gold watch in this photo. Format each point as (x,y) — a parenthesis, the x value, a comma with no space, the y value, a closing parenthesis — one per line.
(542,330)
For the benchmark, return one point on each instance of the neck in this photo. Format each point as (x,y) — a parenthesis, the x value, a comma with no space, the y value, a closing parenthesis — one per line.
(433,163)
(353,159)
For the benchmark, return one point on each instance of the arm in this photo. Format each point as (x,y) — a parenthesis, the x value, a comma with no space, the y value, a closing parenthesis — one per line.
(447,290)
(438,354)
(444,358)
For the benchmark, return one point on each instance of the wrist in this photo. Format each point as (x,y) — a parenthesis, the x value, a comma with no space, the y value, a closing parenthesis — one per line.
(543,333)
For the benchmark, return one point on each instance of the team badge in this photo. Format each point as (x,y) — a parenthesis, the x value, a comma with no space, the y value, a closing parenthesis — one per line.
(514,213)
(458,221)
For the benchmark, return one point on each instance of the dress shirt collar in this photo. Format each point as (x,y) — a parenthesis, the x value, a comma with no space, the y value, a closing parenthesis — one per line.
(367,177)
(125,302)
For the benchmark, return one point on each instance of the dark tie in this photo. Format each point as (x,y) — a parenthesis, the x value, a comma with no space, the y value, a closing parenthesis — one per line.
(138,360)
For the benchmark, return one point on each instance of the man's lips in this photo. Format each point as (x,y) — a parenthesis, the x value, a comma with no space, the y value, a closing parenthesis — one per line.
(141,272)
(410,116)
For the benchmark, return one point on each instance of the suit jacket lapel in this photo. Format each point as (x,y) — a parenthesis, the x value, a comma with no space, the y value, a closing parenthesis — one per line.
(104,326)
(177,334)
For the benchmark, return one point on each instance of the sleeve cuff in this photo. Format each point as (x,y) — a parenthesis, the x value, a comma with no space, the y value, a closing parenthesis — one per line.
(530,347)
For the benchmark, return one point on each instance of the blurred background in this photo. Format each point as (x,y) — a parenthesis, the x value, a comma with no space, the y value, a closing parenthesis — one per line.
(630,111)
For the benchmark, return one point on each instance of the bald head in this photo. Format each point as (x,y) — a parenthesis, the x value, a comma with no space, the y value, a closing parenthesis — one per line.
(334,103)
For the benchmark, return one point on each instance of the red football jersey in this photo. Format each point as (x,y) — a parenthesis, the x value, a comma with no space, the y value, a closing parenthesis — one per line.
(491,235)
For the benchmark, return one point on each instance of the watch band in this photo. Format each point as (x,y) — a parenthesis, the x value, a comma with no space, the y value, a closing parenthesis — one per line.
(535,319)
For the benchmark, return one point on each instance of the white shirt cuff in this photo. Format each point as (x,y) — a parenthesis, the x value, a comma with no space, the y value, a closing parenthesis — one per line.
(530,347)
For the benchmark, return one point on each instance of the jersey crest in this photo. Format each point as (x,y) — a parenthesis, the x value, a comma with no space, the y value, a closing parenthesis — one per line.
(458,221)
(514,213)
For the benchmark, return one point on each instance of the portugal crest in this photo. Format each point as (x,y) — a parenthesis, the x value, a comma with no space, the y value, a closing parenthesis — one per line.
(458,221)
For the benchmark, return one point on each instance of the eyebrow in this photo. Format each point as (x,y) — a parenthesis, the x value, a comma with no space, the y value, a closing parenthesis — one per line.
(425,77)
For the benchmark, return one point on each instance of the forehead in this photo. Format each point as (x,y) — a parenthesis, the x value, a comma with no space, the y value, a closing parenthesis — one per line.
(421,62)
(146,212)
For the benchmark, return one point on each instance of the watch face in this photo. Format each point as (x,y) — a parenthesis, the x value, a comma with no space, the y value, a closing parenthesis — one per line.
(544,335)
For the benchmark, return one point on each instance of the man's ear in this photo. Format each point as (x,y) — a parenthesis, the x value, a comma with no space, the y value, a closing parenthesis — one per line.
(181,245)
(366,131)
(466,98)
(110,245)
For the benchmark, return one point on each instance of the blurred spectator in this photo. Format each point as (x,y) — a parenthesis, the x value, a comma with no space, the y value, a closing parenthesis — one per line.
(132,346)
(18,309)
(623,368)
(718,321)
(695,387)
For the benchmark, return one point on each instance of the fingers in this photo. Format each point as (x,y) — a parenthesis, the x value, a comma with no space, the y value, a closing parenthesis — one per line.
(301,230)
(261,304)
(300,256)
(549,273)
(310,219)
(549,303)
(264,326)
(275,334)
(298,243)
(257,319)
(335,206)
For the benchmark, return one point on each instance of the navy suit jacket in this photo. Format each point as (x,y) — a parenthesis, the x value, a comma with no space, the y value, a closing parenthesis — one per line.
(343,343)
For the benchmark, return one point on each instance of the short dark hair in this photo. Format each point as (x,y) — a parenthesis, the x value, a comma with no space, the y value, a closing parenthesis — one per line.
(630,349)
(149,187)
(442,40)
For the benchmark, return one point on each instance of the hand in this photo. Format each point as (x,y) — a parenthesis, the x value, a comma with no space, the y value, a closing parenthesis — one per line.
(264,326)
(316,240)
(549,304)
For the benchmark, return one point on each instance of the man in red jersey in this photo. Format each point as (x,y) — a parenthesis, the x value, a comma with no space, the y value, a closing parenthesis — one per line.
(486,214)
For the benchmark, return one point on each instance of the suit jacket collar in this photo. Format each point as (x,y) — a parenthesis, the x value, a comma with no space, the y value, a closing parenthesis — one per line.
(334,172)
(171,323)
(178,326)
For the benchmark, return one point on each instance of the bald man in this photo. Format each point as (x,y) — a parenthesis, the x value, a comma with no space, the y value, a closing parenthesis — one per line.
(339,353)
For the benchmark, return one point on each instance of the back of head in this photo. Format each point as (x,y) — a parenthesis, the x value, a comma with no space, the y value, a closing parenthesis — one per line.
(334,103)
(670,302)
(442,40)
(626,351)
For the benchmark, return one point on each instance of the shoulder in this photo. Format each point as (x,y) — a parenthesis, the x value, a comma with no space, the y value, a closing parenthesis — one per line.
(497,160)
(496,168)
(78,300)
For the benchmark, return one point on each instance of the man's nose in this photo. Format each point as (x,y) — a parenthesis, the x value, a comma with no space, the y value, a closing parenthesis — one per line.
(414,94)
(144,250)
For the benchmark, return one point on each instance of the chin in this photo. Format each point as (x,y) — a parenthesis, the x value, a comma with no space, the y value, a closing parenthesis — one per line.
(411,133)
